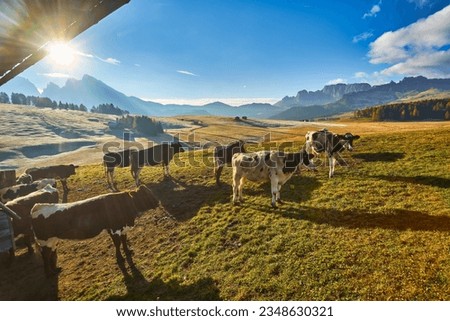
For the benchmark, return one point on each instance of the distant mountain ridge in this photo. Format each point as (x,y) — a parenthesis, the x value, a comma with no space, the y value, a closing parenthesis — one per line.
(20,85)
(375,95)
(331,100)
(91,92)
(329,94)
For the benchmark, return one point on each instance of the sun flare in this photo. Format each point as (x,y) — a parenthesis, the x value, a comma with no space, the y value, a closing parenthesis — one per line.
(61,53)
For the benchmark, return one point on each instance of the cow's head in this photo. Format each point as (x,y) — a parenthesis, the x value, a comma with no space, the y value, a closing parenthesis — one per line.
(143,199)
(177,147)
(348,139)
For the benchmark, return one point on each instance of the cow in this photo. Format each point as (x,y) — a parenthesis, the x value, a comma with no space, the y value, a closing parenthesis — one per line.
(274,166)
(24,179)
(111,160)
(12,192)
(324,141)
(61,172)
(23,205)
(223,155)
(159,154)
(113,212)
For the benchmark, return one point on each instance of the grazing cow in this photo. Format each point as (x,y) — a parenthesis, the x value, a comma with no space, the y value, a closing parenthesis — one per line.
(277,167)
(24,179)
(113,212)
(61,172)
(12,192)
(23,205)
(159,154)
(112,160)
(223,155)
(325,141)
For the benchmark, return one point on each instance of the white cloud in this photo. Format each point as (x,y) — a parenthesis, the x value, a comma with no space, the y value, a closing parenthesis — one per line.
(361,74)
(337,81)
(419,3)
(56,75)
(417,49)
(184,72)
(111,61)
(373,11)
(363,36)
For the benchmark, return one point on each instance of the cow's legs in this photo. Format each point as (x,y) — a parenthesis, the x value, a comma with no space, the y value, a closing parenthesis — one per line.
(117,241)
(278,196)
(166,169)
(64,185)
(49,257)
(135,174)
(241,186)
(218,171)
(332,162)
(275,192)
(236,183)
(28,238)
(126,249)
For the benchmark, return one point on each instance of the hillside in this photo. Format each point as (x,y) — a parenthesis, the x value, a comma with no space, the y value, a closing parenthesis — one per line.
(379,230)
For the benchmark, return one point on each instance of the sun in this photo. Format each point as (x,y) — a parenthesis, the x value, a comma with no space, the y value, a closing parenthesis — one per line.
(61,53)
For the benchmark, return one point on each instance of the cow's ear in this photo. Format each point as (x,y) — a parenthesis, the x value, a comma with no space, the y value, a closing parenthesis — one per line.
(356,137)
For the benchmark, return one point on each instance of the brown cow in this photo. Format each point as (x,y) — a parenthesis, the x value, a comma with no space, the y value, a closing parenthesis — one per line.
(113,212)
(23,205)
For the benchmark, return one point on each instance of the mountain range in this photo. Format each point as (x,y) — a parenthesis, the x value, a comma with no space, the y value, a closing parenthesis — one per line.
(331,100)
(374,95)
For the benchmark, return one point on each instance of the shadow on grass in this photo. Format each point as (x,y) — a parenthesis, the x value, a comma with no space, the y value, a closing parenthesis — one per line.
(298,188)
(379,157)
(138,288)
(182,201)
(26,280)
(420,179)
(395,219)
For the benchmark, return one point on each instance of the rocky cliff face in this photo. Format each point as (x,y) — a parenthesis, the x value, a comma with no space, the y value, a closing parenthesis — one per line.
(329,94)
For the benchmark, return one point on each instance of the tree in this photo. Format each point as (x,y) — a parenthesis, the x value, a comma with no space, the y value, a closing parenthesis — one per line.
(4,98)
(18,99)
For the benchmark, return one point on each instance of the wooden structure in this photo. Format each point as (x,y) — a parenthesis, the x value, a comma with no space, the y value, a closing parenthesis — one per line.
(31,24)
(7,178)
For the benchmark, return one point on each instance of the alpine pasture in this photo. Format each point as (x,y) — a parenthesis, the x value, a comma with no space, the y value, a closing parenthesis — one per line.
(378,230)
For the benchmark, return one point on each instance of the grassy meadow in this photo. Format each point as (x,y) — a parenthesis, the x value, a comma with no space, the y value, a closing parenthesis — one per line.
(378,230)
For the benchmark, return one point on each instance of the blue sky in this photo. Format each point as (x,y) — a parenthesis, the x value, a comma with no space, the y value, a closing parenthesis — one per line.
(198,51)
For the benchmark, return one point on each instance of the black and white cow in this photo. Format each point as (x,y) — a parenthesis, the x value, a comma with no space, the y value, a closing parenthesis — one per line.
(12,192)
(22,206)
(113,212)
(61,172)
(223,156)
(274,166)
(324,141)
(159,154)
(111,160)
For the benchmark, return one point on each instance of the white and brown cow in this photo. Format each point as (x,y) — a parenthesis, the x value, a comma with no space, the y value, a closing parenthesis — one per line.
(61,172)
(324,141)
(22,206)
(274,166)
(113,212)
(9,193)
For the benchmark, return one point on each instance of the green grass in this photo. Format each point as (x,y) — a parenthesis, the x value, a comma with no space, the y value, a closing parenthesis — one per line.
(378,230)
